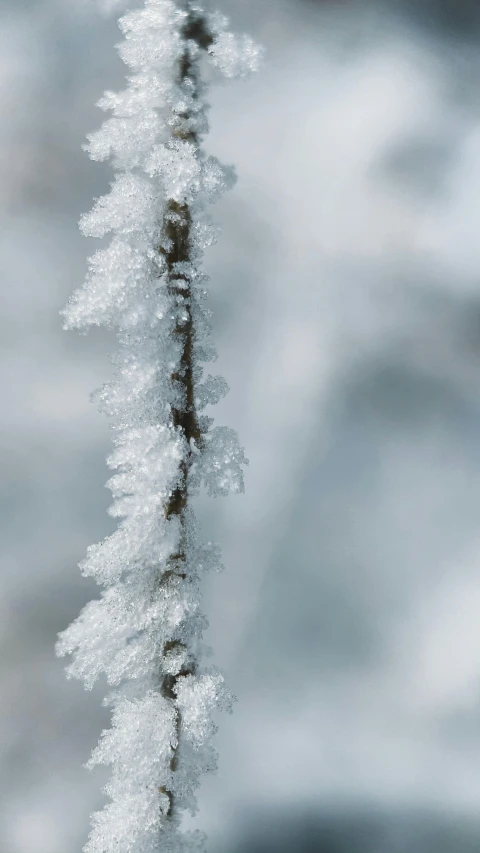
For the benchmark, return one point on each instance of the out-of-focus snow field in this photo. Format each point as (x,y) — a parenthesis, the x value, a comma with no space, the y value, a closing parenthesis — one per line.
(346,292)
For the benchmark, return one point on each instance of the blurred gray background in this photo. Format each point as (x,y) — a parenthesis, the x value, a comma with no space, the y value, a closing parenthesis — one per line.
(346,292)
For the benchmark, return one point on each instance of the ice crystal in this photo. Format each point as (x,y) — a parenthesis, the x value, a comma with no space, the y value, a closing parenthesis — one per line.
(144,633)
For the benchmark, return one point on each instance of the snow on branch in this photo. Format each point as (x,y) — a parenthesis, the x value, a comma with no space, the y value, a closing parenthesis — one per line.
(144,634)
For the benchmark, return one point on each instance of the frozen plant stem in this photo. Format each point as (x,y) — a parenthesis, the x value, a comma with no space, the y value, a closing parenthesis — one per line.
(177,239)
(145,632)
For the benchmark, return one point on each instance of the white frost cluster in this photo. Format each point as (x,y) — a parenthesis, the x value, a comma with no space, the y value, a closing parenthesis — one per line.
(235,56)
(147,625)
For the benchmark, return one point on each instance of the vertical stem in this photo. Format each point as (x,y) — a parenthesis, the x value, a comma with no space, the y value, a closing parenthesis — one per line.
(177,235)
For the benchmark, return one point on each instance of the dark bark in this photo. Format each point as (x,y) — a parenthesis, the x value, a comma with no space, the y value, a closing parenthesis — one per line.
(177,237)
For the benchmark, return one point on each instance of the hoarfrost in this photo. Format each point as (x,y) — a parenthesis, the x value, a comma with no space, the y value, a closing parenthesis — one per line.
(144,633)
(131,207)
(235,56)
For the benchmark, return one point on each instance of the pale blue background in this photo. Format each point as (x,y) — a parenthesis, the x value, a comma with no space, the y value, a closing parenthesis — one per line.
(346,292)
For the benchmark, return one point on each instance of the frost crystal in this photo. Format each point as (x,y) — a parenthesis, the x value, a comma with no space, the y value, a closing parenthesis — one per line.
(235,56)
(144,633)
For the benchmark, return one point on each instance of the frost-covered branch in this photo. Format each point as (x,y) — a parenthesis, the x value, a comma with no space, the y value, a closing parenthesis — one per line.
(144,633)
